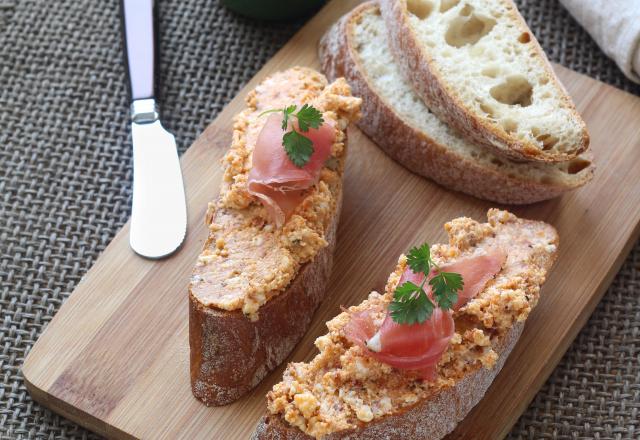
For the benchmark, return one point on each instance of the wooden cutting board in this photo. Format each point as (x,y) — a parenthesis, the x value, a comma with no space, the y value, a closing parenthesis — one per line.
(115,357)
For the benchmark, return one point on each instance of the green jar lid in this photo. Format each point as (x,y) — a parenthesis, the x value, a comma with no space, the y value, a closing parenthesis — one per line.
(273,9)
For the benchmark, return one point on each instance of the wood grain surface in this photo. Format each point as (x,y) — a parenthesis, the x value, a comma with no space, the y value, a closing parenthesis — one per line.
(115,357)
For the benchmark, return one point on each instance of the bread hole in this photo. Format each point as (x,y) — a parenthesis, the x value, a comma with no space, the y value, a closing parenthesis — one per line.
(445,5)
(524,37)
(548,141)
(491,71)
(466,10)
(544,80)
(577,165)
(420,8)
(509,125)
(468,30)
(515,90)
(490,111)
(497,162)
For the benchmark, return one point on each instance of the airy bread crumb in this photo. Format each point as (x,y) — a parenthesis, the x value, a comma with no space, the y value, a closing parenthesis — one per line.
(478,66)
(394,117)
(372,48)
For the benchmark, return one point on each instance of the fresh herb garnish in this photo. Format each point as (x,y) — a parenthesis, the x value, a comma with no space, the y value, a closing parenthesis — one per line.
(309,116)
(411,304)
(298,147)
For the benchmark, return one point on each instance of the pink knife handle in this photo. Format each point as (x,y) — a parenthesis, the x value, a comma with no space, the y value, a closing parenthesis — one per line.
(139,41)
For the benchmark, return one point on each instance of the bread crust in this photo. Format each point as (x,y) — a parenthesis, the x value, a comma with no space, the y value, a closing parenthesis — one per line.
(230,354)
(413,148)
(418,66)
(428,419)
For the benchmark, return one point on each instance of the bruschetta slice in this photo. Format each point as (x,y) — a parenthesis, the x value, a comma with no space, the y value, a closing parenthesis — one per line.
(380,375)
(264,266)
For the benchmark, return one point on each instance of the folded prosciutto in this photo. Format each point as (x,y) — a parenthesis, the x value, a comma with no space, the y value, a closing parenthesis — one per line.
(406,347)
(419,347)
(274,179)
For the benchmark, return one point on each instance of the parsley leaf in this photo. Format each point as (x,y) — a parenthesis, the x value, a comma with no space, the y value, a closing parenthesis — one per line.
(309,116)
(419,259)
(411,304)
(299,148)
(404,292)
(445,287)
(287,111)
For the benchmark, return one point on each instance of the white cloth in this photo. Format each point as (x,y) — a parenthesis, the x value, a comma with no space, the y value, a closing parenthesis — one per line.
(615,25)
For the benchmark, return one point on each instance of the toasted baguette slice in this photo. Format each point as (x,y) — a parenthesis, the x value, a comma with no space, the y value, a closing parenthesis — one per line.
(477,65)
(256,286)
(343,393)
(394,117)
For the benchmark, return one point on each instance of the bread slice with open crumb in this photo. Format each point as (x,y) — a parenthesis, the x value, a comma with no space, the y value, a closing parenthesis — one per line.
(345,394)
(256,285)
(476,64)
(394,117)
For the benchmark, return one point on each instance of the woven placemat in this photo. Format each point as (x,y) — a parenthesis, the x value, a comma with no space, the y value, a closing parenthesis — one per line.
(65,185)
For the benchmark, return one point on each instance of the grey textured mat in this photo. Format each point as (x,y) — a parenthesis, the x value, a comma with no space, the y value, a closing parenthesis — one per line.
(65,185)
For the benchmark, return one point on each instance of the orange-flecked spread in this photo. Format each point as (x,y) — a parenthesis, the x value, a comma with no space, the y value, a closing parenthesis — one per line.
(342,387)
(247,259)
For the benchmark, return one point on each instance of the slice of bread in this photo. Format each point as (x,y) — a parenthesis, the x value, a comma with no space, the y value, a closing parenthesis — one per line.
(256,286)
(345,394)
(476,64)
(394,117)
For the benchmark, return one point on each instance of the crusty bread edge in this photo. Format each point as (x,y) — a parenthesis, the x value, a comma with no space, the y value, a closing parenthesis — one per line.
(411,147)
(230,354)
(416,64)
(428,419)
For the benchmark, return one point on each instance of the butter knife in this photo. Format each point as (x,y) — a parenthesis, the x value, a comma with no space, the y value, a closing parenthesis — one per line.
(159,213)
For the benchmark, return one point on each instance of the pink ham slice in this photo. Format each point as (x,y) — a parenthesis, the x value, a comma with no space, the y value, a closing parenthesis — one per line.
(476,272)
(276,181)
(420,346)
(405,347)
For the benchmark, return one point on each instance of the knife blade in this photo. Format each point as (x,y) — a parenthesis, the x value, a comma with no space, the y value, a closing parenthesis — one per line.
(158,212)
